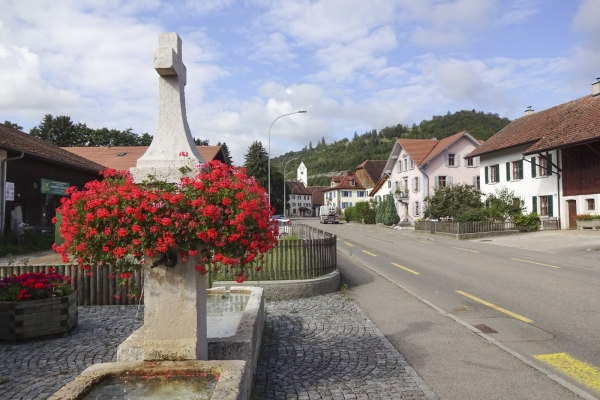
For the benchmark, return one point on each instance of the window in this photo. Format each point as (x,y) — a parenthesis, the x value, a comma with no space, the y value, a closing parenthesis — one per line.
(470,162)
(591,204)
(542,164)
(399,166)
(412,164)
(515,170)
(441,181)
(543,205)
(389,184)
(405,164)
(415,187)
(361,193)
(477,182)
(451,160)
(293,204)
(416,208)
(346,193)
(332,184)
(351,182)
(346,204)
(494,172)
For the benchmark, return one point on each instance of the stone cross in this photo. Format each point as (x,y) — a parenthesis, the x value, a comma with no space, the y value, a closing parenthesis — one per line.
(163,158)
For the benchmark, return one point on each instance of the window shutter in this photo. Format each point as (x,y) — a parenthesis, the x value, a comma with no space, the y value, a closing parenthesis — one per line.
(414,207)
(436,181)
(549,171)
(497,172)
(521,169)
(350,193)
(449,181)
(457,160)
(476,161)
(550,206)
(534,203)
(486,176)
(446,159)
(412,183)
(475,181)
(508,171)
(533,168)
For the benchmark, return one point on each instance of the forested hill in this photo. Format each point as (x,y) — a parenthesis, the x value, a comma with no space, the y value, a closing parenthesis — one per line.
(347,154)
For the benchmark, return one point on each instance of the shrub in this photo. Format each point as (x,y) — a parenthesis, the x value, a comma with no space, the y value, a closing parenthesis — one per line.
(472,214)
(386,212)
(531,221)
(452,201)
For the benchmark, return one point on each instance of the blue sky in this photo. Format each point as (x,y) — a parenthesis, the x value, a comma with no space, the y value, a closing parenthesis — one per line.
(354,65)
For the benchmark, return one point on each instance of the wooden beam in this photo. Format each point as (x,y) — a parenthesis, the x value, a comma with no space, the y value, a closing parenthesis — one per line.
(564,151)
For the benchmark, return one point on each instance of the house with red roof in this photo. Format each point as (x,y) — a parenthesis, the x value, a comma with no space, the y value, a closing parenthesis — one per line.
(550,159)
(416,167)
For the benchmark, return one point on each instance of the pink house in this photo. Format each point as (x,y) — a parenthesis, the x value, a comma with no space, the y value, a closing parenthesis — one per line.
(416,167)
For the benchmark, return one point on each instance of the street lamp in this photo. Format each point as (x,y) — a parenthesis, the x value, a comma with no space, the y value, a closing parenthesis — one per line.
(269,161)
(284,202)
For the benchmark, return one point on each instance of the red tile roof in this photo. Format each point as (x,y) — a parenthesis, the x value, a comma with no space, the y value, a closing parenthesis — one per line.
(296,188)
(318,196)
(109,156)
(373,168)
(422,150)
(15,140)
(566,124)
(345,182)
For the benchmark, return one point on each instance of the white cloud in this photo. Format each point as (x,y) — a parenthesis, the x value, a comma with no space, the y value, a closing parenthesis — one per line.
(272,47)
(586,53)
(519,11)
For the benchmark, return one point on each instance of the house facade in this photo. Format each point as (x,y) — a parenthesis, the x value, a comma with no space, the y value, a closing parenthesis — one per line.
(550,159)
(300,200)
(345,191)
(416,167)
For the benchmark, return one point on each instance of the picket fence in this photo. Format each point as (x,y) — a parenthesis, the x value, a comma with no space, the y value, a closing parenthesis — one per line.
(305,253)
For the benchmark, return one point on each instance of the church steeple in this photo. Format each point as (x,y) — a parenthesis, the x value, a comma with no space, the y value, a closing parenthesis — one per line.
(302,174)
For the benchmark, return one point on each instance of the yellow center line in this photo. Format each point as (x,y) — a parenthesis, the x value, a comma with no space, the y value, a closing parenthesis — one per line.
(407,269)
(531,262)
(495,307)
(351,245)
(371,254)
(582,372)
(423,241)
(460,248)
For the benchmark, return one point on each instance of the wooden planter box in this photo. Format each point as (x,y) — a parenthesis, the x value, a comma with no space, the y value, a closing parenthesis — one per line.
(590,224)
(29,319)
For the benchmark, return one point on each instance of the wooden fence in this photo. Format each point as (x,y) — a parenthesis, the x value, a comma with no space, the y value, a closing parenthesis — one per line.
(458,228)
(306,253)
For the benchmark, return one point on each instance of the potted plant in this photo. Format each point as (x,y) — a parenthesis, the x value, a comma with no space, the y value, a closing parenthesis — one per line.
(219,216)
(36,304)
(587,221)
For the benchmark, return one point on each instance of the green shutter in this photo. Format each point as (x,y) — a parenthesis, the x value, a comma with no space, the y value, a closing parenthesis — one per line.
(533,167)
(549,166)
(550,208)
(497,172)
(486,176)
(521,169)
(534,203)
(508,171)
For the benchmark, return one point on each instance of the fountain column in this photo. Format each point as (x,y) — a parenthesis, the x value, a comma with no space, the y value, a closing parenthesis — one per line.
(174,297)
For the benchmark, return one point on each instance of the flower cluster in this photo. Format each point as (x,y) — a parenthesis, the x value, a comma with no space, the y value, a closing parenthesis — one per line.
(586,217)
(34,286)
(220,215)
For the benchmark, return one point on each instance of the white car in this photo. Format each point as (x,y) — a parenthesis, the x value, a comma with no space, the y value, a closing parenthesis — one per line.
(285,227)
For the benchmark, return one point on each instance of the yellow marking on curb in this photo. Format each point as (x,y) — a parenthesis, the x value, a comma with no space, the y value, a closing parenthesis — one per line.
(351,245)
(407,269)
(531,262)
(460,248)
(582,372)
(371,254)
(495,307)
(423,241)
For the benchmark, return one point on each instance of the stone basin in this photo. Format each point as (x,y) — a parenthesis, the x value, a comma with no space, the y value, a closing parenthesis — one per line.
(230,376)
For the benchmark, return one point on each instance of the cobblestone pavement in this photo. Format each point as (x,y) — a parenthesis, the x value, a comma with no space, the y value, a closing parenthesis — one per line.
(326,348)
(36,368)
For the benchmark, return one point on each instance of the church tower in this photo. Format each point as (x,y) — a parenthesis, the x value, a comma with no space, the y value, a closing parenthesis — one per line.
(302,174)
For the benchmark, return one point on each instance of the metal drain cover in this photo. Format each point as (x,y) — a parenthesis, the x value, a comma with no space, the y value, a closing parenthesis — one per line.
(485,329)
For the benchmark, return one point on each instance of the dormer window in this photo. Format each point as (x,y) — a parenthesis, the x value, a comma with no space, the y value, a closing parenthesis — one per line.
(351,182)
(332,184)
(121,154)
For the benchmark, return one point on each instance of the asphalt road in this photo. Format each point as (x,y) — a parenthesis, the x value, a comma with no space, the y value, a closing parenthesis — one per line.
(540,302)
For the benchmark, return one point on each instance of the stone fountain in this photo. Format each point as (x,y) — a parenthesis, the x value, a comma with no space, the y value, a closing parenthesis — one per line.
(173,339)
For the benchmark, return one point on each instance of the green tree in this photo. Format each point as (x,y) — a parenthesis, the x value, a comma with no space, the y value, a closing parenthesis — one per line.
(386,211)
(13,125)
(503,205)
(452,201)
(256,163)
(226,153)
(200,142)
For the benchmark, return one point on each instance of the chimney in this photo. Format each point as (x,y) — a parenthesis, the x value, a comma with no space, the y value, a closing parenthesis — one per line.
(596,88)
(529,111)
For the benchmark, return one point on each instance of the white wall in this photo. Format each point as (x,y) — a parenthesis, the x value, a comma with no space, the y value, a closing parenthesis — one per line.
(525,188)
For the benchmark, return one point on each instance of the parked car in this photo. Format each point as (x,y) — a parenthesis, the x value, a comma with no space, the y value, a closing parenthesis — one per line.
(285,227)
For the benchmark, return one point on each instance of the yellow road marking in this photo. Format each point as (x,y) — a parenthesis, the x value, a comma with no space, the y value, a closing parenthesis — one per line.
(400,237)
(407,269)
(423,241)
(460,248)
(381,233)
(531,262)
(371,254)
(582,372)
(505,311)
(351,245)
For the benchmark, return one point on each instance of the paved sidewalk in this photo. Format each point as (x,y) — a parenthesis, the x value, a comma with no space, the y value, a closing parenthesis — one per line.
(325,347)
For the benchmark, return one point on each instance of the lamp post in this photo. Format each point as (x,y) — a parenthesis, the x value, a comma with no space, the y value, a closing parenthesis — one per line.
(269,160)
(284,202)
